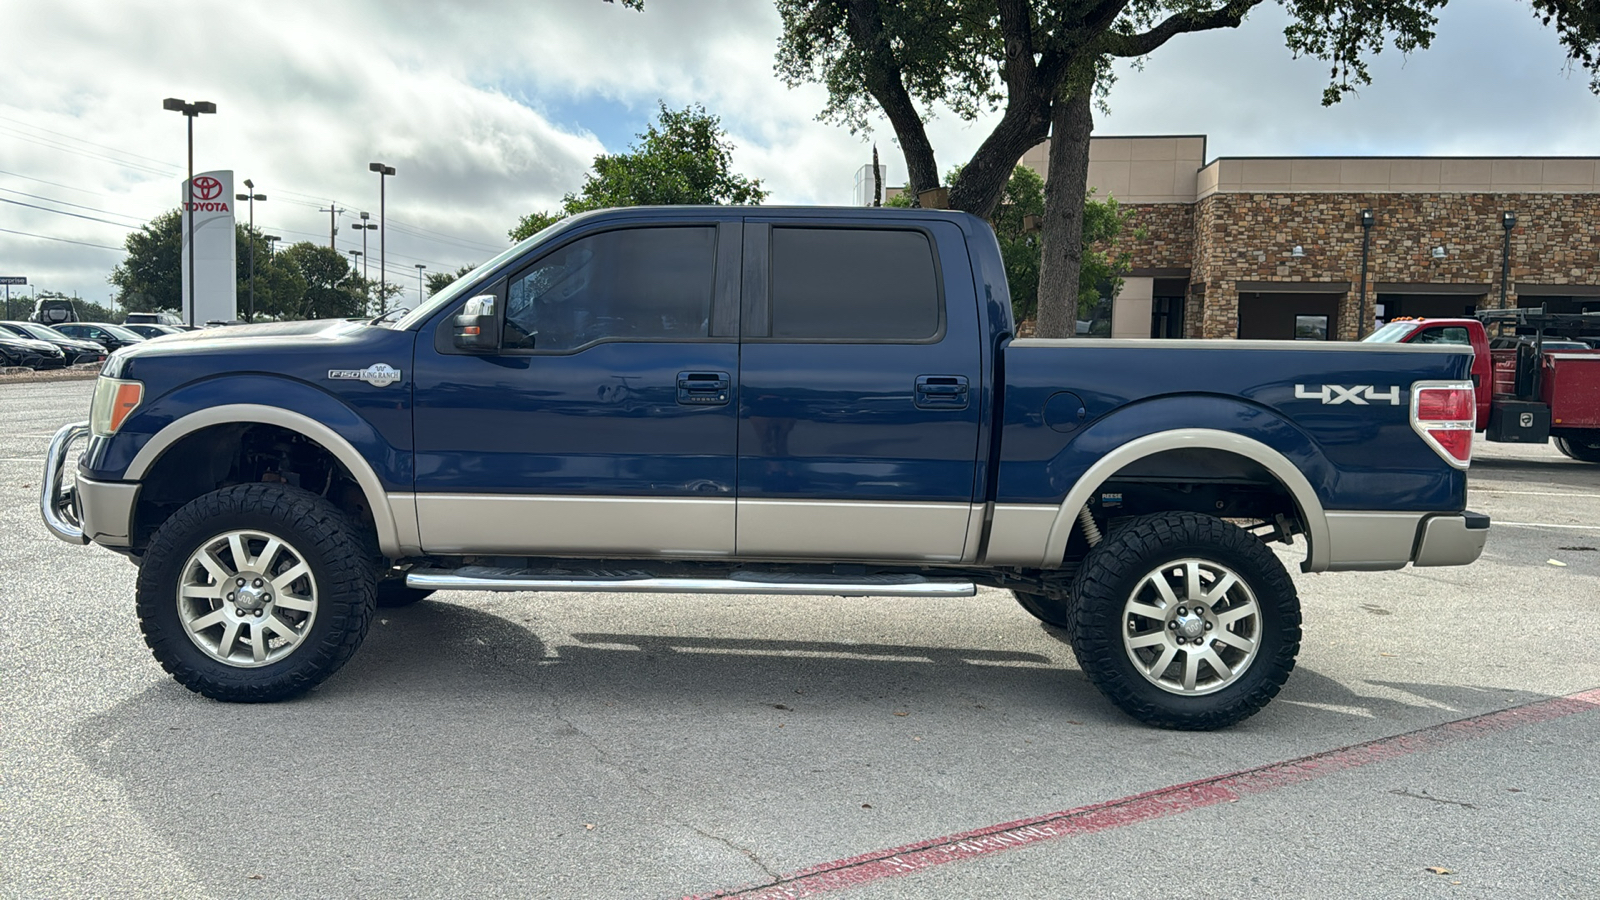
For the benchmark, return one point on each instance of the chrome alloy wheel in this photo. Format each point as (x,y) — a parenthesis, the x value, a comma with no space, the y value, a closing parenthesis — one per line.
(247,598)
(1191,627)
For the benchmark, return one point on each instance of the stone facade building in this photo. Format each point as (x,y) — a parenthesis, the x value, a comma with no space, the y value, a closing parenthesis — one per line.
(1273,247)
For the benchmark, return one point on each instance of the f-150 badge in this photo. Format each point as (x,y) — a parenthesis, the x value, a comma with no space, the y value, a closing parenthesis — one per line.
(1335,394)
(377,375)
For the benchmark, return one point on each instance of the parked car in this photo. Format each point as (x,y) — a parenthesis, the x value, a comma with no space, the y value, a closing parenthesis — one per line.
(16,352)
(75,350)
(147,331)
(761,401)
(54,311)
(151,318)
(49,355)
(112,337)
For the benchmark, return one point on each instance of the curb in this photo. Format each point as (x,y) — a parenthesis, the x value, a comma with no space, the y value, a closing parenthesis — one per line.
(21,375)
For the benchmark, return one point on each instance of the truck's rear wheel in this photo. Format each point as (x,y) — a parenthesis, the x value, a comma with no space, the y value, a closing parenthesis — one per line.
(1186,621)
(1579,449)
(255,593)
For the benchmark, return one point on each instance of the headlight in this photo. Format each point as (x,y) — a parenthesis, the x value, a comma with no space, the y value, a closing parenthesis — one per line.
(114,400)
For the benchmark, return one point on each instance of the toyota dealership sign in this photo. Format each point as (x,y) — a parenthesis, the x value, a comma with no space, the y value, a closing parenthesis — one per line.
(208,203)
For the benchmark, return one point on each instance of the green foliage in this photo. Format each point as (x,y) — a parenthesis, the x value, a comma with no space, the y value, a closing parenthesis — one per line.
(331,290)
(149,278)
(438,281)
(683,158)
(1103,265)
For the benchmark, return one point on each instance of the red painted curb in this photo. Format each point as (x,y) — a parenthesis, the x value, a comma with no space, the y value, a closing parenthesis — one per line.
(1169,801)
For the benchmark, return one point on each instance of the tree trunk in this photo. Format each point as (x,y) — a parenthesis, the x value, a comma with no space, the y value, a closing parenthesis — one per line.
(984,177)
(1071,123)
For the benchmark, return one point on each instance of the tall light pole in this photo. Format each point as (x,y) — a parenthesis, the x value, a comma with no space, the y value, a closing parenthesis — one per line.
(190,111)
(364,226)
(252,198)
(383,234)
(272,243)
(354,257)
(420,267)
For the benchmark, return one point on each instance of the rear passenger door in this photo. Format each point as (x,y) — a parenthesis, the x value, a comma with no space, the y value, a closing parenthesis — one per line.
(859,391)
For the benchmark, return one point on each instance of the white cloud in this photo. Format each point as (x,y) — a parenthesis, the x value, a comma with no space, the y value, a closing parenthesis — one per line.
(473,104)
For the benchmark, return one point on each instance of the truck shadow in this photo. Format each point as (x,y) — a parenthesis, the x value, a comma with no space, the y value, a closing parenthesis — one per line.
(461,749)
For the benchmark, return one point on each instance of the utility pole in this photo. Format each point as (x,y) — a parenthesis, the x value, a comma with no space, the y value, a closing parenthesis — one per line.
(333,212)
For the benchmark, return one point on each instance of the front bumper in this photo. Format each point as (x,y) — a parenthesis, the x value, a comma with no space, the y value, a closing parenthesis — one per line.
(79,510)
(59,501)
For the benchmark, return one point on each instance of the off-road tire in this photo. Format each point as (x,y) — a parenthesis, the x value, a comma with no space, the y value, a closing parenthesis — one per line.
(1049,610)
(329,542)
(1113,570)
(1578,449)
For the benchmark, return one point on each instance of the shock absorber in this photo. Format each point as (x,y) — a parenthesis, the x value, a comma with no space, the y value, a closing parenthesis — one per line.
(1090,529)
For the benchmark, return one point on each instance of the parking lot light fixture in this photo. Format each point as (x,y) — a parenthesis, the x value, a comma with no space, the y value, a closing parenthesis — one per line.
(190,111)
(252,198)
(384,171)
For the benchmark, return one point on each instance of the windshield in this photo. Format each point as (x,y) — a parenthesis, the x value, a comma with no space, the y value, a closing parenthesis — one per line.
(42,332)
(457,287)
(125,334)
(1392,333)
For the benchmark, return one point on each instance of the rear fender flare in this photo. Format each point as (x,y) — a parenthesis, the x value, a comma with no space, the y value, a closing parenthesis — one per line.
(1311,512)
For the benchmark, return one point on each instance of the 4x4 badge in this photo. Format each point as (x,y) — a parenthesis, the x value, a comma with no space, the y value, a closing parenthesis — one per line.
(377,375)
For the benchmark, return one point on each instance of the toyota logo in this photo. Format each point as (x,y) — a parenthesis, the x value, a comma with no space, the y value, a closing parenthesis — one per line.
(206,188)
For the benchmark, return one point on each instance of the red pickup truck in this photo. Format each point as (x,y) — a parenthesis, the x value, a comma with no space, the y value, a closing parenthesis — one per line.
(1542,378)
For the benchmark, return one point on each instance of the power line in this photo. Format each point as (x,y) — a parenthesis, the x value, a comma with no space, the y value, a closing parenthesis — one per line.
(57,145)
(90,143)
(62,212)
(46,237)
(74,205)
(53,183)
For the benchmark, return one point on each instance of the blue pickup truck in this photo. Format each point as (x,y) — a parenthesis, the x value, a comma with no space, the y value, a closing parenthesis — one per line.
(761,401)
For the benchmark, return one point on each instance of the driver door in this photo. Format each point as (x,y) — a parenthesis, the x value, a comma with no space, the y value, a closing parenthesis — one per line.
(605,425)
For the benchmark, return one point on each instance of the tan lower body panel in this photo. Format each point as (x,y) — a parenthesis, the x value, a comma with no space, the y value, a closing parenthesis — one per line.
(866,530)
(580,526)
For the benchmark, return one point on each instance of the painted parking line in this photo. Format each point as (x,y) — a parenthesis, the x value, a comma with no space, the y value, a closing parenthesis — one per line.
(1546,525)
(1169,801)
(1476,490)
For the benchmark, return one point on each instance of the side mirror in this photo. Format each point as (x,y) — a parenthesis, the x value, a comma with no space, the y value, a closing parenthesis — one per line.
(477,328)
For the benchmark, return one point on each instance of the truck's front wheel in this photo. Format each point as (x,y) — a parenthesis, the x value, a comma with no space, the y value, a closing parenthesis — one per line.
(1186,621)
(255,593)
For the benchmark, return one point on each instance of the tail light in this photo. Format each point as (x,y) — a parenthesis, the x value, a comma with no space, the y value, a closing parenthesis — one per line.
(1445,413)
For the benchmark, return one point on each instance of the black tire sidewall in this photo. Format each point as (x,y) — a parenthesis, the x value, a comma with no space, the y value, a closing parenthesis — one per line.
(1113,569)
(323,537)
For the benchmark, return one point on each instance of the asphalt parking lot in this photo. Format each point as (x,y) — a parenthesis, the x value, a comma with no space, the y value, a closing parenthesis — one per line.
(591,745)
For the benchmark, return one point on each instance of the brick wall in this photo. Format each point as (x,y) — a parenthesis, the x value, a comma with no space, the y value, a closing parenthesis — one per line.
(1249,237)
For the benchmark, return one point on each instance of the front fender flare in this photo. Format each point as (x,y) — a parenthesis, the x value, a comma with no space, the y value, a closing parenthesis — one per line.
(384,517)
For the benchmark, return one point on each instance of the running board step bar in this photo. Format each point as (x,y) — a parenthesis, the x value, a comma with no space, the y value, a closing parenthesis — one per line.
(486,578)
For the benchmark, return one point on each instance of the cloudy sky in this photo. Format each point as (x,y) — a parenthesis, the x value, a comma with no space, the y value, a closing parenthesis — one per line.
(491,110)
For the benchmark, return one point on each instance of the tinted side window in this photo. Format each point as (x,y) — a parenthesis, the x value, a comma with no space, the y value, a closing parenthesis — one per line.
(853,284)
(635,284)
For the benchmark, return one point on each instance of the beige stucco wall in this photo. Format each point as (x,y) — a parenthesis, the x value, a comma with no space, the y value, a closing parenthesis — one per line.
(1158,169)
(1400,175)
(1130,312)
